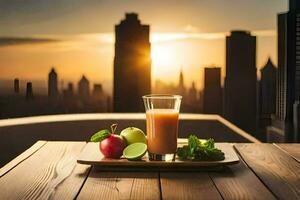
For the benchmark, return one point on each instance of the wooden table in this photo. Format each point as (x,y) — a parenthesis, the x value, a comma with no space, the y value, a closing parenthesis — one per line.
(49,170)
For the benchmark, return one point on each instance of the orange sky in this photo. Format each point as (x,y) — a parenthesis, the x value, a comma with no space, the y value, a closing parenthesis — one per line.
(188,35)
(92,55)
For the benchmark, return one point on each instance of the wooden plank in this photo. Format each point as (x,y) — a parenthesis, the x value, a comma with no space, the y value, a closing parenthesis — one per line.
(239,182)
(279,172)
(92,156)
(49,170)
(187,186)
(72,184)
(121,185)
(6,168)
(291,149)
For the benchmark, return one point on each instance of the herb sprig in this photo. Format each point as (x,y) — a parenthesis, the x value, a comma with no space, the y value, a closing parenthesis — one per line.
(200,150)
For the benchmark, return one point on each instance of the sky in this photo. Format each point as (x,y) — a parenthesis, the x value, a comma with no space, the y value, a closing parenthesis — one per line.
(77,36)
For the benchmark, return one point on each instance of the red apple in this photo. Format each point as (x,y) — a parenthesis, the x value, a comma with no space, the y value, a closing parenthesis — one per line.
(112,146)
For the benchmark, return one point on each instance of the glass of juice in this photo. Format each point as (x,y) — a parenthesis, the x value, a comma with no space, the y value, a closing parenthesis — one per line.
(162,113)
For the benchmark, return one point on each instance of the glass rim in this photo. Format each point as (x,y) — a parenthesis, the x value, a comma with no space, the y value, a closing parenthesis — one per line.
(162,96)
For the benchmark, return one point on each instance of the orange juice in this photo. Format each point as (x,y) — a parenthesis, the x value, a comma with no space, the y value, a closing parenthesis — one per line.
(162,131)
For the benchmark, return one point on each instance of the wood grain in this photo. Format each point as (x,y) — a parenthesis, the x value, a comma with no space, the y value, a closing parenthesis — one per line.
(23,156)
(121,185)
(71,185)
(48,170)
(187,186)
(92,156)
(291,149)
(279,171)
(239,182)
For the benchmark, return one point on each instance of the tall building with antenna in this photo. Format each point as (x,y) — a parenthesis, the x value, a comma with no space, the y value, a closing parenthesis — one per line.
(52,84)
(181,87)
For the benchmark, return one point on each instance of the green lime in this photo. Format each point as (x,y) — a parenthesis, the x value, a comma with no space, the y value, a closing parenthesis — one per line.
(135,151)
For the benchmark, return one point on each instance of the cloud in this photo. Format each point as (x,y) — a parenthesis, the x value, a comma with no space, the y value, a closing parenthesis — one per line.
(67,42)
(174,36)
(264,33)
(165,37)
(8,41)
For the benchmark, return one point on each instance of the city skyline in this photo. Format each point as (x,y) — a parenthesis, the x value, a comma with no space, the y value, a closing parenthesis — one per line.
(205,46)
(137,56)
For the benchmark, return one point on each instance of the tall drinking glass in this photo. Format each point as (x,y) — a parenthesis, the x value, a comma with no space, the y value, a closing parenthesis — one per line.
(162,113)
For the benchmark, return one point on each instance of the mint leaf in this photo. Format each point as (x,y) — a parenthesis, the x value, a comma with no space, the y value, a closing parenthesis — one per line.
(193,143)
(197,150)
(210,143)
(183,152)
(100,135)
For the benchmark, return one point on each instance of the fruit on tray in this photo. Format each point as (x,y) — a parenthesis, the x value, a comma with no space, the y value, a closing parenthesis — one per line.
(133,135)
(111,145)
(135,151)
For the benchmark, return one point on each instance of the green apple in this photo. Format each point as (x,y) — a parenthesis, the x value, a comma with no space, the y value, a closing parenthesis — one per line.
(133,135)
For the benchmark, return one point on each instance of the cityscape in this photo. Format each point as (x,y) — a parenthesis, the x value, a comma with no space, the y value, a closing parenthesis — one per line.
(263,105)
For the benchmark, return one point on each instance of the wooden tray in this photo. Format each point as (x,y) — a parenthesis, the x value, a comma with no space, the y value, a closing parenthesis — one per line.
(92,156)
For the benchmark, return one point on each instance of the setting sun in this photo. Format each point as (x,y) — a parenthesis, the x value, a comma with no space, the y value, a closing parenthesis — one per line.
(164,61)
(162,56)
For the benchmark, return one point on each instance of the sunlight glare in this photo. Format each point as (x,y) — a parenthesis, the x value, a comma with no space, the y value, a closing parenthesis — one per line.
(162,56)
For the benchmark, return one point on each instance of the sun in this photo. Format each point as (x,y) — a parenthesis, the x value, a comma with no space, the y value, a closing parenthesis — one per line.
(164,62)
(169,52)
(162,56)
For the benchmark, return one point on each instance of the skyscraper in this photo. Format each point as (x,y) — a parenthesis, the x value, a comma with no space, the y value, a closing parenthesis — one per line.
(29,91)
(212,99)
(52,84)
(84,88)
(267,96)
(132,64)
(98,92)
(192,95)
(240,82)
(69,91)
(181,87)
(287,116)
(16,86)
